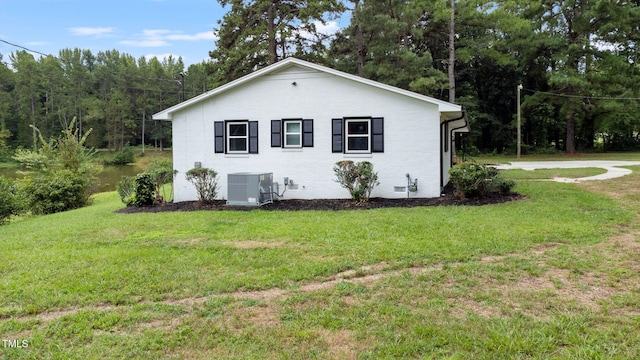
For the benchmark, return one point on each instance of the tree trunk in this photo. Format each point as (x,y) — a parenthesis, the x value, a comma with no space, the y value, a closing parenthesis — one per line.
(144,116)
(33,123)
(271,34)
(452,54)
(360,51)
(570,145)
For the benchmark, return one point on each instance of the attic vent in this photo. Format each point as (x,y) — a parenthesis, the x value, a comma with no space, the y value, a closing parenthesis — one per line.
(249,189)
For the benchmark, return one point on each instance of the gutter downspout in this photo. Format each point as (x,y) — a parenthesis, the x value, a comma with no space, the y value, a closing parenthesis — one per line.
(447,143)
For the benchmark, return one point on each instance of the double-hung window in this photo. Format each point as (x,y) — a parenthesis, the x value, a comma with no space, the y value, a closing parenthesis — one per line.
(292,133)
(237,137)
(357,135)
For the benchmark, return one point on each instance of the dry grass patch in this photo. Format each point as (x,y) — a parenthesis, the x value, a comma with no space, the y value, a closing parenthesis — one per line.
(254,244)
(341,344)
(461,307)
(190,241)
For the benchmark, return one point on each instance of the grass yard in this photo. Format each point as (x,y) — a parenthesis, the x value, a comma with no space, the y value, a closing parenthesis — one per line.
(504,159)
(553,276)
(547,174)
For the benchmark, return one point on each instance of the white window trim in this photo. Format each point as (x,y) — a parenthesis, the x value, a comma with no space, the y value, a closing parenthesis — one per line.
(285,133)
(245,137)
(347,136)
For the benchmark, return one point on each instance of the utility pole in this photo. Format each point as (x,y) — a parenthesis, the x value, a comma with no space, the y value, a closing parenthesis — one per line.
(518,111)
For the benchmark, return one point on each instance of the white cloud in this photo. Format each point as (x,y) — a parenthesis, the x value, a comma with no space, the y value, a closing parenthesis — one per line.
(145,43)
(163,37)
(329,28)
(195,37)
(37,43)
(92,31)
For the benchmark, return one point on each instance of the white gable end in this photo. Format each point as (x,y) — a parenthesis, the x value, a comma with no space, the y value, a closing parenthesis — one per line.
(407,134)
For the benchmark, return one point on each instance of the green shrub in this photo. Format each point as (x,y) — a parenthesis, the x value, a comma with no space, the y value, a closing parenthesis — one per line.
(63,174)
(9,200)
(143,191)
(120,157)
(473,180)
(55,191)
(32,160)
(5,152)
(125,189)
(206,183)
(358,178)
(161,172)
(503,185)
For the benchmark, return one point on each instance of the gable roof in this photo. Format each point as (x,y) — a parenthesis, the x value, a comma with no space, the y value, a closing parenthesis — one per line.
(447,110)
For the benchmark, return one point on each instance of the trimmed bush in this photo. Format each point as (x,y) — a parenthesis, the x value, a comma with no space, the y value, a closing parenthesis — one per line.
(9,200)
(473,180)
(143,191)
(206,183)
(358,178)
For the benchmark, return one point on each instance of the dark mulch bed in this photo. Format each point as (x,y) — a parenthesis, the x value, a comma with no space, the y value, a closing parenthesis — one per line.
(449,199)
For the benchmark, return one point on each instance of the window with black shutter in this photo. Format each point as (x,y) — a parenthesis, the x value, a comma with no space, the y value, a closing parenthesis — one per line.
(276,133)
(357,135)
(377,135)
(307,133)
(336,135)
(253,137)
(218,131)
(292,133)
(236,137)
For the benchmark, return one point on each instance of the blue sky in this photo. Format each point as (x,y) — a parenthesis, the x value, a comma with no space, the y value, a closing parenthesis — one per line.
(136,27)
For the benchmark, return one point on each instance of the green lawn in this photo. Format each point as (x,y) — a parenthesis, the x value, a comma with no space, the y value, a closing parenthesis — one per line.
(540,174)
(505,159)
(552,276)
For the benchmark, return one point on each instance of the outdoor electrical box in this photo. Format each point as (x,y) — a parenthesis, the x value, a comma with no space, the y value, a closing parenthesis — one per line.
(249,189)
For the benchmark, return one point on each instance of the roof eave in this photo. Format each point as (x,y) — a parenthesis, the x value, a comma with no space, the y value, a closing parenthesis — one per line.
(443,106)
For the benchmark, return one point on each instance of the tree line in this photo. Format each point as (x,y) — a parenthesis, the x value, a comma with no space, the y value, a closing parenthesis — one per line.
(575,59)
(111,93)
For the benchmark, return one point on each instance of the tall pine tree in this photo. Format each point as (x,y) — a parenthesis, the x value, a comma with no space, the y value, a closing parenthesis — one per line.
(256,33)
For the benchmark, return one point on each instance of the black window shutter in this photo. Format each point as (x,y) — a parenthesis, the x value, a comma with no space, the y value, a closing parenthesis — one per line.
(276,133)
(336,135)
(218,133)
(253,137)
(307,133)
(377,135)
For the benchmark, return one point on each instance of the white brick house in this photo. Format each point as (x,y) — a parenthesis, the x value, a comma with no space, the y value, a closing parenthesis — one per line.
(296,119)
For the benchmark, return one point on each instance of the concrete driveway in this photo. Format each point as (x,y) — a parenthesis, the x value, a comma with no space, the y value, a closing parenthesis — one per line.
(612,166)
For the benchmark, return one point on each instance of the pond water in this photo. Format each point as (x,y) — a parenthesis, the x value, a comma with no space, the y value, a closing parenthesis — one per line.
(108,178)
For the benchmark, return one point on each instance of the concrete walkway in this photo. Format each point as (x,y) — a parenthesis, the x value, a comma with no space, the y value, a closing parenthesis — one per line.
(612,166)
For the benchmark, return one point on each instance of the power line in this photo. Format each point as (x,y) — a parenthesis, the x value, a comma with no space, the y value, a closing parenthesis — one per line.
(27,49)
(581,96)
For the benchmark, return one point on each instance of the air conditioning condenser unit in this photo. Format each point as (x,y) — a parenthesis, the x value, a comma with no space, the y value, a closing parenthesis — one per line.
(249,189)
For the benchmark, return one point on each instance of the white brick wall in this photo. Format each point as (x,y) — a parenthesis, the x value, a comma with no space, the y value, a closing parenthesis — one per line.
(411,134)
